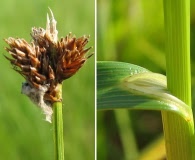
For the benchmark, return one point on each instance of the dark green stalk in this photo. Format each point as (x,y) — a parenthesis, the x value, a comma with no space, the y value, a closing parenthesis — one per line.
(58,127)
(178,133)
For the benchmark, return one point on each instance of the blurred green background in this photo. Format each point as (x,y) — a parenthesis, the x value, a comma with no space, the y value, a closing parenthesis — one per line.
(133,31)
(24,134)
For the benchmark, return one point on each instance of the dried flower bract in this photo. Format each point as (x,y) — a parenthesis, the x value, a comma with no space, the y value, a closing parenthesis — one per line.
(46,62)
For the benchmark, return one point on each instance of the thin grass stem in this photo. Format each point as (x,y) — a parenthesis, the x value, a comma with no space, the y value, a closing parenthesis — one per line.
(58,127)
(126,134)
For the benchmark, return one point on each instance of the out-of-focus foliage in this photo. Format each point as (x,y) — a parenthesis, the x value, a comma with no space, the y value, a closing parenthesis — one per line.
(133,31)
(24,134)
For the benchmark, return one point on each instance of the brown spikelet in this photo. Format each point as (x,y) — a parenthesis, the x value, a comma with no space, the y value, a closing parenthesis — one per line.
(46,61)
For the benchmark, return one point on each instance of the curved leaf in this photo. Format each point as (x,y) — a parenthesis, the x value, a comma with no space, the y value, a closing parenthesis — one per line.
(124,85)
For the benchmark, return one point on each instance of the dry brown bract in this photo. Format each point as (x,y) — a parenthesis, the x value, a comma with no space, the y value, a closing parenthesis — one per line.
(45,62)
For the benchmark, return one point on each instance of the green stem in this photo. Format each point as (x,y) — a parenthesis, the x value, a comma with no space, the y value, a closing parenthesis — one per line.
(178,133)
(58,126)
(126,134)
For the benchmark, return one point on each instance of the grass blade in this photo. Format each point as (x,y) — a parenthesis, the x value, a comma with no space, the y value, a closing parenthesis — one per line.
(122,85)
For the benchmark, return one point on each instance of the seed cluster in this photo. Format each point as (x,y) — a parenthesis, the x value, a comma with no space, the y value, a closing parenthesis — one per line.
(47,61)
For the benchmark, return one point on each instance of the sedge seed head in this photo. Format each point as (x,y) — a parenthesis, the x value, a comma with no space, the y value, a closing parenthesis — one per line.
(47,61)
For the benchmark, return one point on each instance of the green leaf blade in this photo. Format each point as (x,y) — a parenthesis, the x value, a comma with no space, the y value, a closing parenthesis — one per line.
(122,85)
(114,72)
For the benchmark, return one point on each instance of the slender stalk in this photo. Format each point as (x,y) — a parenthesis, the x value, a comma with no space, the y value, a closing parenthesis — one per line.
(58,127)
(126,134)
(178,133)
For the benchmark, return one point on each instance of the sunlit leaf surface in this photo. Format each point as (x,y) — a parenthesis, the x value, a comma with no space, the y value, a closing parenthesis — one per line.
(124,85)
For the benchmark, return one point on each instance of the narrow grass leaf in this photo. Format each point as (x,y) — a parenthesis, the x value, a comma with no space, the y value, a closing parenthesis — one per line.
(124,85)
